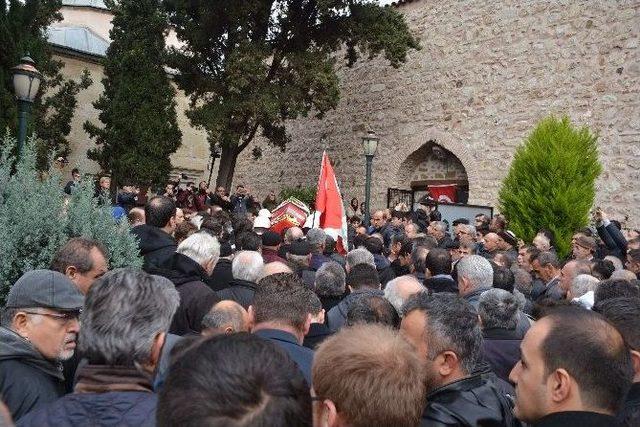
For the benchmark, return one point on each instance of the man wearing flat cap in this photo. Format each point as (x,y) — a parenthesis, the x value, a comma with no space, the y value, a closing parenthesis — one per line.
(38,330)
(584,247)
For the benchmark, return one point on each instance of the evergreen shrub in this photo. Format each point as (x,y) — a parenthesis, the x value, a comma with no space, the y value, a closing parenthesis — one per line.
(551,182)
(304,194)
(36,219)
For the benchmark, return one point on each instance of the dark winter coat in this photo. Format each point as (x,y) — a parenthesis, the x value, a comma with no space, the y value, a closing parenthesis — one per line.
(27,380)
(441,283)
(302,356)
(330,301)
(629,415)
(196,298)
(270,255)
(552,290)
(318,332)
(385,272)
(115,396)
(501,349)
(470,402)
(317,260)
(577,418)
(240,291)
(155,245)
(221,276)
(614,240)
(126,409)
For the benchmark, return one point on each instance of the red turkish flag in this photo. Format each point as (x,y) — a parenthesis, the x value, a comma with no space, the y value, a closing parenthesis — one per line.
(443,193)
(329,205)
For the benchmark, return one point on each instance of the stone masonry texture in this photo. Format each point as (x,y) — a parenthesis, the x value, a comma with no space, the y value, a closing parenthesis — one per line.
(488,71)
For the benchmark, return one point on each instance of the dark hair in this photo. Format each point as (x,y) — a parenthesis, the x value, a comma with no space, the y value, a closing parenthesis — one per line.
(159,210)
(406,248)
(374,245)
(634,255)
(452,324)
(398,238)
(599,360)
(359,240)
(438,261)
(602,269)
(248,241)
(184,230)
(241,223)
(624,314)
(76,253)
(234,380)
(460,221)
(615,288)
(75,171)
(363,275)
(428,242)
(370,308)
(397,214)
(546,258)
(282,297)
(418,258)
(435,215)
(503,278)
(329,245)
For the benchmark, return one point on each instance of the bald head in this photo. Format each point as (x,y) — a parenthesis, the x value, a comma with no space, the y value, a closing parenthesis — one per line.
(492,242)
(292,234)
(274,268)
(226,317)
(398,290)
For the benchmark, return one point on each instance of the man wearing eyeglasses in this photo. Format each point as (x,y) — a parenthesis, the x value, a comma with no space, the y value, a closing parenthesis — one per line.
(38,330)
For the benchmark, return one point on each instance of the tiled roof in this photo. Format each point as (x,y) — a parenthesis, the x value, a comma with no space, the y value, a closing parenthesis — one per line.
(98,4)
(79,39)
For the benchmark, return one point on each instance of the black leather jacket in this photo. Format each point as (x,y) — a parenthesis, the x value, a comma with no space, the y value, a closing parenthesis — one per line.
(473,401)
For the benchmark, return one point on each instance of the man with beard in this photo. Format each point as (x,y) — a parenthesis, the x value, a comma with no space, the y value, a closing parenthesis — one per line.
(39,328)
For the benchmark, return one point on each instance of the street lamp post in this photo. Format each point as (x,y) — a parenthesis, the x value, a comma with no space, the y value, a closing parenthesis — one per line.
(26,82)
(215,154)
(370,146)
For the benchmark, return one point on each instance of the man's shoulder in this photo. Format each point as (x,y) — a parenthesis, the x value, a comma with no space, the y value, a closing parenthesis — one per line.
(125,407)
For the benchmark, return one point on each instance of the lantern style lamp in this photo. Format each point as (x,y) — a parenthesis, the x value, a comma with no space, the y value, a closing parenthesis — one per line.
(370,146)
(26,82)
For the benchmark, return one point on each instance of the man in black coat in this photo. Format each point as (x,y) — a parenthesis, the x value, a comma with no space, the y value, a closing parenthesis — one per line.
(624,314)
(361,279)
(438,264)
(585,386)
(188,269)
(155,237)
(498,311)
(281,313)
(438,230)
(445,331)
(39,330)
(246,268)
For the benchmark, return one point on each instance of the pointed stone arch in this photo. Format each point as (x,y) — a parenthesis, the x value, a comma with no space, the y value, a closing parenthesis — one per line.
(419,142)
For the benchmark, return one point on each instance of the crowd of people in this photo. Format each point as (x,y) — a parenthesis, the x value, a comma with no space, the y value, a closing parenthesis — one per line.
(420,322)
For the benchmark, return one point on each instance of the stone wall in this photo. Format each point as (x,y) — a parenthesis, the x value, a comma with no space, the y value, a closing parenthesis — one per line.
(487,73)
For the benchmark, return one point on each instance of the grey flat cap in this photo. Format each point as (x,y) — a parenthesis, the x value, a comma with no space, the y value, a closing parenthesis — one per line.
(47,289)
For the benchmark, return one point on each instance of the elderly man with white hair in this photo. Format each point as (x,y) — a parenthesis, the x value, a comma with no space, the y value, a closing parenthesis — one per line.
(583,290)
(475,276)
(189,269)
(398,291)
(246,268)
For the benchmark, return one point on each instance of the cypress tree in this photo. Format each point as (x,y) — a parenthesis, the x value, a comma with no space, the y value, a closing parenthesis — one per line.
(137,107)
(551,182)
